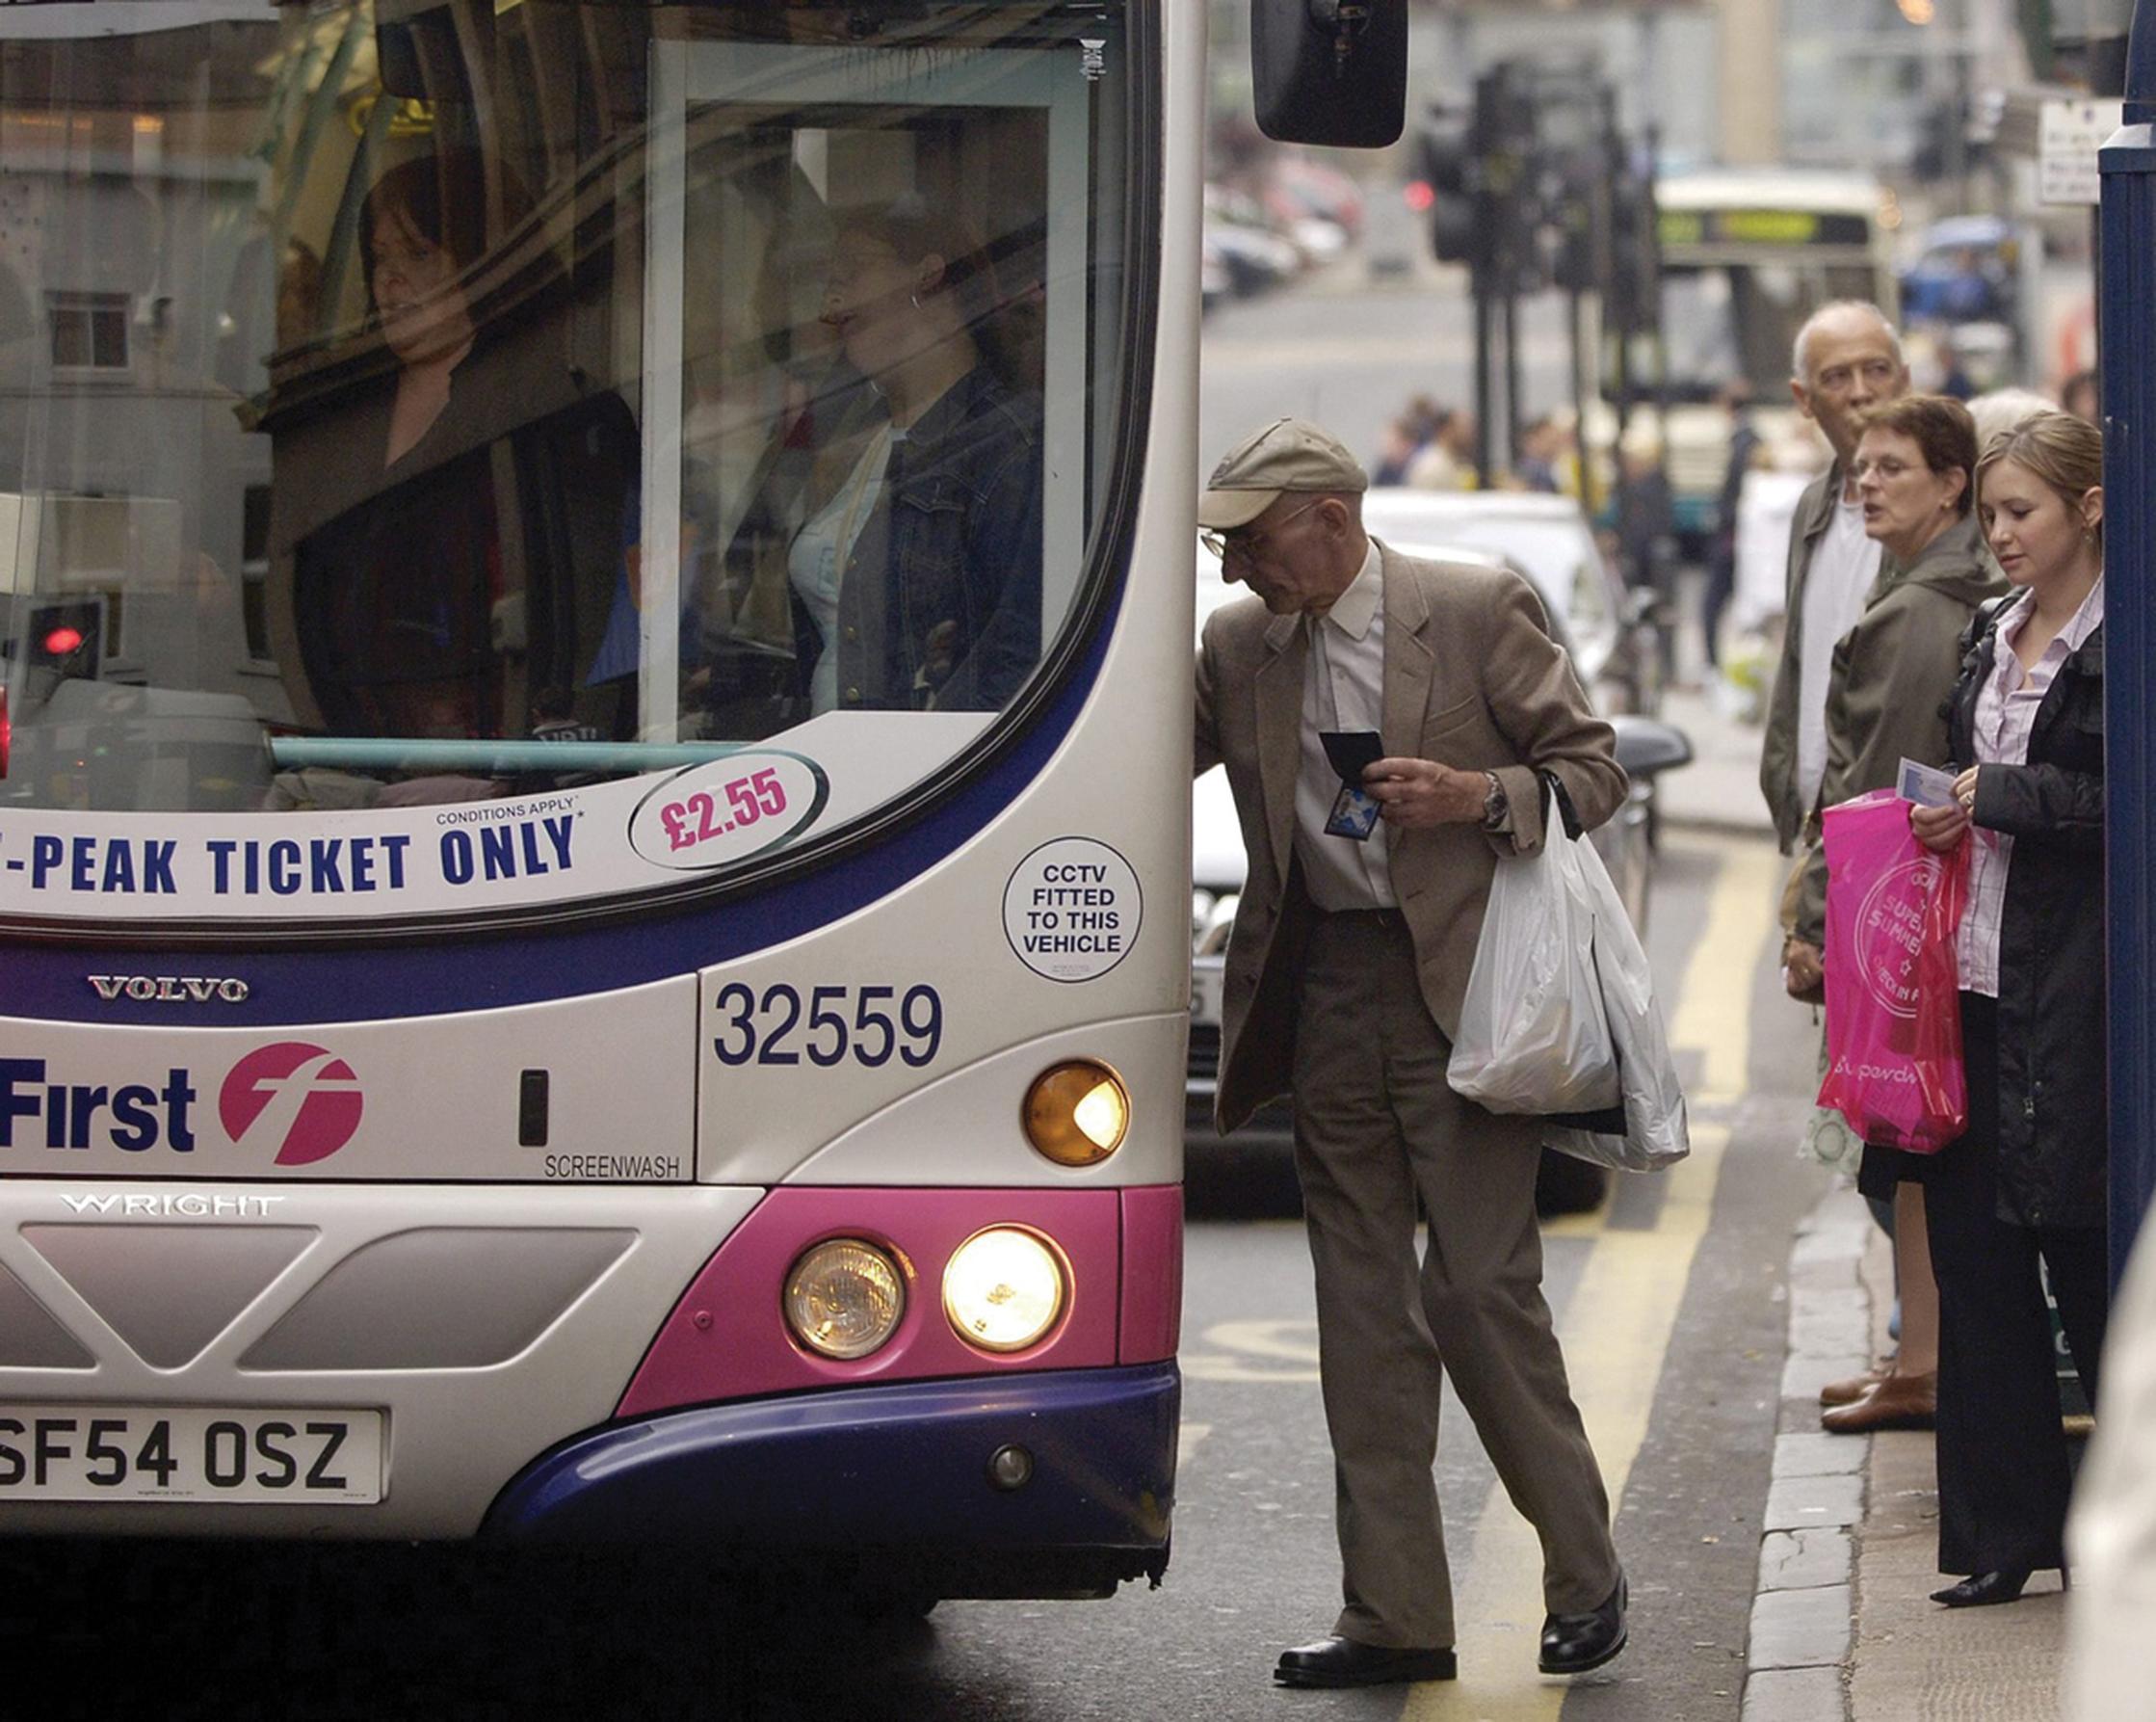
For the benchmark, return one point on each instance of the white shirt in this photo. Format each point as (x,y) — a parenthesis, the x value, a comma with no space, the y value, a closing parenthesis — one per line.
(1843,567)
(1343,688)
(2006,717)
(819,553)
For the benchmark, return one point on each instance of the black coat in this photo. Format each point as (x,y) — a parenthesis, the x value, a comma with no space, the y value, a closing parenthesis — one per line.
(2052,1154)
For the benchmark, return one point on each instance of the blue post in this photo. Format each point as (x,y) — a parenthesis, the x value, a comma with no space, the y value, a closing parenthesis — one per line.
(2127,289)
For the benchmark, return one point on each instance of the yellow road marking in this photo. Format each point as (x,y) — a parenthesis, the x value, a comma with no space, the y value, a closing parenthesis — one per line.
(1616,1326)
(1713,1010)
(1187,1438)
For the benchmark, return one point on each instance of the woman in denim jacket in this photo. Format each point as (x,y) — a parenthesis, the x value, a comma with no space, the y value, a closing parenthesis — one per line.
(916,573)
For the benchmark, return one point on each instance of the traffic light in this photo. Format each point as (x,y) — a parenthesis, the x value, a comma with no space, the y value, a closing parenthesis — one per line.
(1633,300)
(66,638)
(1447,179)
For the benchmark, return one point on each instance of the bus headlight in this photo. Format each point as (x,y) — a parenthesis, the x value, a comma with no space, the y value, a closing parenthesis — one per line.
(1076,1113)
(1003,1289)
(844,1298)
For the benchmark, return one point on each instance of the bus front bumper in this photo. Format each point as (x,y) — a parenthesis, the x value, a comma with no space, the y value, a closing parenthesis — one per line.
(919,1473)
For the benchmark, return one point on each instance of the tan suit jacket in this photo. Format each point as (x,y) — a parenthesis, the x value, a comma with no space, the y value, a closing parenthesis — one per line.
(1472,679)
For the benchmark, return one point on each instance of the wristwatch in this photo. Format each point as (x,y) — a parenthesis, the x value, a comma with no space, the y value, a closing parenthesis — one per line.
(1495,804)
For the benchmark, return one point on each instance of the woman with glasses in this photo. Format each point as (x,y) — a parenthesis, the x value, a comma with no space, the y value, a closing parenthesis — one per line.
(1914,469)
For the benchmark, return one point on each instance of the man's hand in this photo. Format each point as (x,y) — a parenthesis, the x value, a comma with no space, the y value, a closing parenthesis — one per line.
(1802,974)
(1414,794)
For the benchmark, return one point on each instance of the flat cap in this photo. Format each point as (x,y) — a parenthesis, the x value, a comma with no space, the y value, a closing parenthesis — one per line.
(1290,454)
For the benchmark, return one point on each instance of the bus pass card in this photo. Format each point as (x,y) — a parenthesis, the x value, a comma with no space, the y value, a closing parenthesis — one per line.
(1925,784)
(1355,809)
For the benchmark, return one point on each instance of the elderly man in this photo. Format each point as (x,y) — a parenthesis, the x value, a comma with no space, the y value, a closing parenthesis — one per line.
(1351,952)
(1846,360)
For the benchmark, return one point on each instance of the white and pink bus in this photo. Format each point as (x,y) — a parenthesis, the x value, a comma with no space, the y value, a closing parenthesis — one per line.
(594,781)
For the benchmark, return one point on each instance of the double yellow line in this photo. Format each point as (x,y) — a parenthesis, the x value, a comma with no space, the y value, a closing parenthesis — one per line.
(1616,1326)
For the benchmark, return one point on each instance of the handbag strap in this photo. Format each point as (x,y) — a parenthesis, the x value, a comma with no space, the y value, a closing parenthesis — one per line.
(1553,787)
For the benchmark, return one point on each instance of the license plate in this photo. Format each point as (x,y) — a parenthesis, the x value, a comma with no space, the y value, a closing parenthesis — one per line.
(1205,995)
(188,1453)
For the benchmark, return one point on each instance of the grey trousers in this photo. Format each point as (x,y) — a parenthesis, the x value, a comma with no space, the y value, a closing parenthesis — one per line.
(1376,1129)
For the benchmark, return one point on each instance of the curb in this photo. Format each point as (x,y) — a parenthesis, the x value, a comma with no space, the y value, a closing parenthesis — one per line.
(1798,1651)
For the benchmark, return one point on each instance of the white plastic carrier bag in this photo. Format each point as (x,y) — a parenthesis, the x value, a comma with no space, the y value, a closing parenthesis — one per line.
(1534,1031)
(1648,1130)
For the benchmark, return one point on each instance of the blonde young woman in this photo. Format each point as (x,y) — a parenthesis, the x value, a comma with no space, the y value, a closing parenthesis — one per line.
(2029,1178)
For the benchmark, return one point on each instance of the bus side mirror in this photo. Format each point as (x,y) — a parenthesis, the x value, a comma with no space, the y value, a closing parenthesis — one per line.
(1330,72)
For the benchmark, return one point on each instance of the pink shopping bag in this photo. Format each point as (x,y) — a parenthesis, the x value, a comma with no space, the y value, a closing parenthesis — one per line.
(1893,1017)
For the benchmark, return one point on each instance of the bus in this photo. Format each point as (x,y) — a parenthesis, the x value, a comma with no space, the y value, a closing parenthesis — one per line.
(595,615)
(1748,255)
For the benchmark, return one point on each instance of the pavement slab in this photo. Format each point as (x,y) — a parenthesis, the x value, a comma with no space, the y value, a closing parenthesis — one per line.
(1806,1560)
(1794,1695)
(1809,1454)
(1801,1628)
(1806,1503)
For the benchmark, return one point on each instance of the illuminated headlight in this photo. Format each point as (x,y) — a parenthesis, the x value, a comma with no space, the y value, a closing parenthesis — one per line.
(1076,1113)
(844,1298)
(1005,1288)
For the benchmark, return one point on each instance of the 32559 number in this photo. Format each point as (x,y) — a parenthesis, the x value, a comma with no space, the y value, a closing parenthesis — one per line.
(870,1024)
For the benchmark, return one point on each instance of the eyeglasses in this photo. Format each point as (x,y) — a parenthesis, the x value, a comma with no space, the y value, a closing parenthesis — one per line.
(1244,543)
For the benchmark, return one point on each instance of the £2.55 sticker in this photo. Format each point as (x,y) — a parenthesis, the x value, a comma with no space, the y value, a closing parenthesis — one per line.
(726,812)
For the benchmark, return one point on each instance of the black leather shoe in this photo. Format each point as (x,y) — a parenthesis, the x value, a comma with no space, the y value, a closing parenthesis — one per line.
(1984,1589)
(1345,1662)
(1574,1643)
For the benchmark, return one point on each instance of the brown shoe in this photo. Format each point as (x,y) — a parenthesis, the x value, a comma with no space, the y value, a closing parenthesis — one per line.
(1851,1388)
(1898,1402)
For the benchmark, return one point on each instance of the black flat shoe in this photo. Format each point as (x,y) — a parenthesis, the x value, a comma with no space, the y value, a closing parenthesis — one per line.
(1574,1643)
(1345,1662)
(1984,1589)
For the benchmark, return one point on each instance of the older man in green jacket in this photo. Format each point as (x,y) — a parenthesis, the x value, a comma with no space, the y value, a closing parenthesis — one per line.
(1846,360)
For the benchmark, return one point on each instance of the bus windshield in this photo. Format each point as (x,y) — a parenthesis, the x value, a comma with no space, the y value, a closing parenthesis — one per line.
(419,404)
(1748,254)
(1731,320)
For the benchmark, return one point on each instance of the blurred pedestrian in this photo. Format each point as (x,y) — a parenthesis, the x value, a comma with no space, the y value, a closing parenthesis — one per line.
(1744,448)
(1345,974)
(1646,512)
(2028,1181)
(1647,534)
(2004,409)
(1915,467)
(1539,447)
(1955,380)
(1448,461)
(1403,442)
(2079,395)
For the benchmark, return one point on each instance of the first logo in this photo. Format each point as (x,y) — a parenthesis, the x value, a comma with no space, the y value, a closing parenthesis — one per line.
(303,1097)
